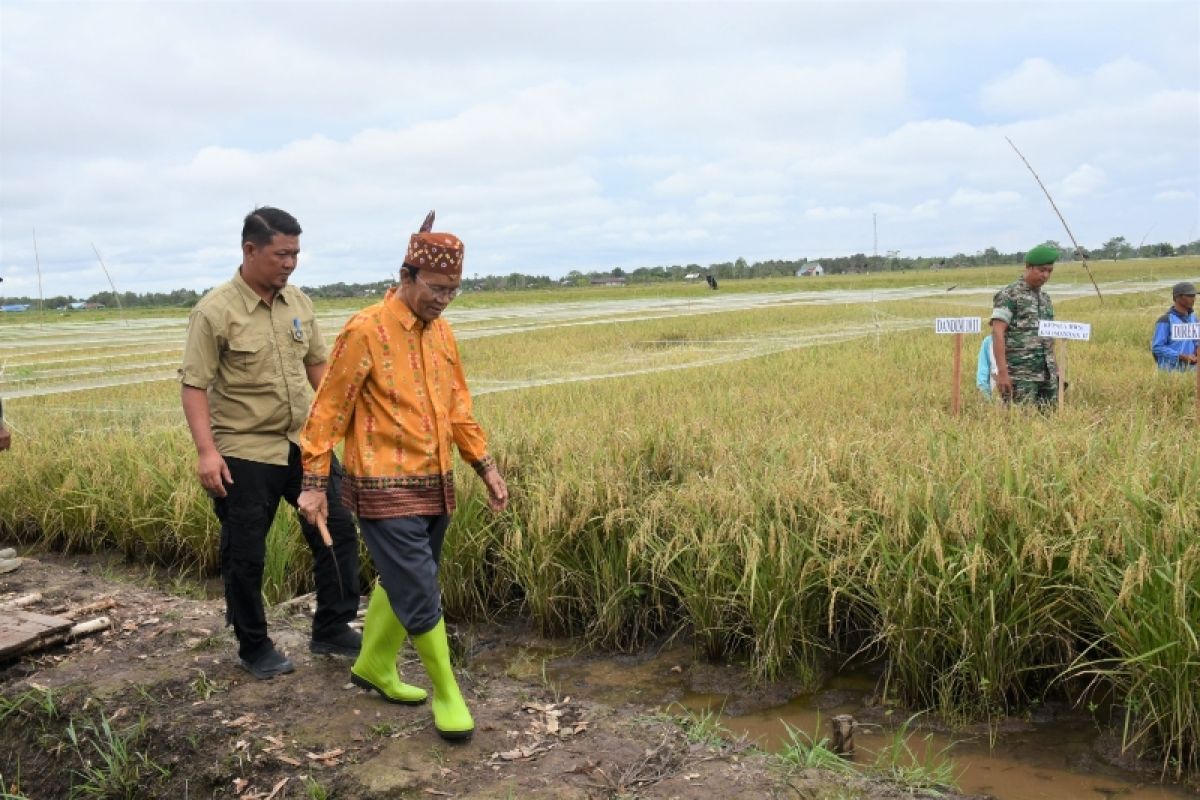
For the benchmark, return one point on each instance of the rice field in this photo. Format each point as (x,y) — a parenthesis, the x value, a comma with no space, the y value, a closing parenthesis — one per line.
(771,469)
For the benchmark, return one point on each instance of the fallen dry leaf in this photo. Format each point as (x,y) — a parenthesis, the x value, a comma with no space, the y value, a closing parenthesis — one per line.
(327,755)
(276,788)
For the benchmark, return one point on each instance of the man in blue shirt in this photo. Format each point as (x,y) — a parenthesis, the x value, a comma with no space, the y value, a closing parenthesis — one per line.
(1176,355)
(985,368)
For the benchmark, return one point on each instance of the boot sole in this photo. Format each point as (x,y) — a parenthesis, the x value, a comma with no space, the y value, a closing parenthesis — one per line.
(267,674)
(363,683)
(326,649)
(455,736)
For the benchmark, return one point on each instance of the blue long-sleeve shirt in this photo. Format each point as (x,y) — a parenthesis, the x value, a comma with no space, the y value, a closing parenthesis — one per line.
(1167,350)
(984,367)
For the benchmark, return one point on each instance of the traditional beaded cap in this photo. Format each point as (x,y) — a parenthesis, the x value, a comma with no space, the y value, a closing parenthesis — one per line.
(440,252)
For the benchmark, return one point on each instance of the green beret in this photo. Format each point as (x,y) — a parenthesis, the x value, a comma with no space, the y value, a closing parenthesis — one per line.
(1041,255)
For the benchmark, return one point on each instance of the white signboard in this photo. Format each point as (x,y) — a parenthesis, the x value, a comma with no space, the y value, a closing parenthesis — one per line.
(1080,331)
(1188,331)
(956,325)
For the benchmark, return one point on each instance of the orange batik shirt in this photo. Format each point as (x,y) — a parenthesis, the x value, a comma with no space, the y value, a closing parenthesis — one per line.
(395,390)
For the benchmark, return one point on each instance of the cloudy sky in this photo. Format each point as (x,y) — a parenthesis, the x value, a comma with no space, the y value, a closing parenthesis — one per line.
(560,136)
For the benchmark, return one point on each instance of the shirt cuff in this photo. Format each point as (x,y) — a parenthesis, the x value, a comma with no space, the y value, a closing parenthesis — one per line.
(482,465)
(318,483)
(1002,314)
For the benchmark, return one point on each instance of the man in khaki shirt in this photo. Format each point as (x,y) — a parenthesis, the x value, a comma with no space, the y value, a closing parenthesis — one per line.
(252,358)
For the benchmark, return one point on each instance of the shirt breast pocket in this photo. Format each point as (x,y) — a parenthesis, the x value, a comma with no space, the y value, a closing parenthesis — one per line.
(248,360)
(301,336)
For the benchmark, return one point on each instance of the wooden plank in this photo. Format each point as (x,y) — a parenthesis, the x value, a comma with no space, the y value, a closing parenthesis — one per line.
(20,629)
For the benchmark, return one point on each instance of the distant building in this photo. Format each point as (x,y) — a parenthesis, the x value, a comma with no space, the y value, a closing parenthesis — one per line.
(13,307)
(692,276)
(811,271)
(608,280)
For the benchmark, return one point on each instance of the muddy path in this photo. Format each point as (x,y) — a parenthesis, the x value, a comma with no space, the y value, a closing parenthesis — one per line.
(159,708)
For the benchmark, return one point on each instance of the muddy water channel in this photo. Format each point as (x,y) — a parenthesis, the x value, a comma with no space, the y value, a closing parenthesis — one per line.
(1056,754)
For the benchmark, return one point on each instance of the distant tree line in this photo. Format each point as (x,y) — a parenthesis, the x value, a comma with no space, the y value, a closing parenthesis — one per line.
(1115,248)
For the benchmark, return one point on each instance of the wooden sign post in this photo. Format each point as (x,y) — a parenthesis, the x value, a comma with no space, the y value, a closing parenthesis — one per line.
(1189,332)
(1079,331)
(957,326)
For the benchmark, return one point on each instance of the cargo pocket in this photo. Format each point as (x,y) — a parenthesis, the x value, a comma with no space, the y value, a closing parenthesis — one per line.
(248,361)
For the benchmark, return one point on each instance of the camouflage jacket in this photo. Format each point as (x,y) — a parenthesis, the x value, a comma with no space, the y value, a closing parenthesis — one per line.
(1030,357)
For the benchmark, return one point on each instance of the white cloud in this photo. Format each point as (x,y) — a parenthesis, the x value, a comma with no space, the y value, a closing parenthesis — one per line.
(1035,87)
(559,136)
(1084,180)
(820,213)
(973,198)
(1175,196)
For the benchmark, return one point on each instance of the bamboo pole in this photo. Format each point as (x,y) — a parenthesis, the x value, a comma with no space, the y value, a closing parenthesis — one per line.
(1062,374)
(112,285)
(41,298)
(955,395)
(21,602)
(1061,218)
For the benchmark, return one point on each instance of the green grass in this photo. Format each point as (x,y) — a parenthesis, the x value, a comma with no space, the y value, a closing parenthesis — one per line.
(108,763)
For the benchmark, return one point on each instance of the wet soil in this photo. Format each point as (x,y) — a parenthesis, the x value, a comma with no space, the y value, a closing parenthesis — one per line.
(168,668)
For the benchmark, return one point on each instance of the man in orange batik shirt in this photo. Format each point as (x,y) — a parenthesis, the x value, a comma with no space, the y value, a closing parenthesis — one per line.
(395,391)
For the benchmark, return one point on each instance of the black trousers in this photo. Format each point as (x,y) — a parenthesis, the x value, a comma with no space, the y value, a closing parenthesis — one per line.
(407,552)
(246,513)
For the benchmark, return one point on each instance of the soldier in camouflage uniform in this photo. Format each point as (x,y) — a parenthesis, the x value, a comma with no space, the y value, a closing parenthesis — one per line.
(1026,371)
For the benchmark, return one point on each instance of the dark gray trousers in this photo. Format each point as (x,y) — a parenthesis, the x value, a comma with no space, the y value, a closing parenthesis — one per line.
(407,552)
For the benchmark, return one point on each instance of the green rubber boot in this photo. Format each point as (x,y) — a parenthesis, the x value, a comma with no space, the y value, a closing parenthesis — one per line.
(450,714)
(375,668)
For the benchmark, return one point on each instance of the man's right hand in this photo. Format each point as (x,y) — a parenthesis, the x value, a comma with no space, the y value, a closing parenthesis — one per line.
(213,473)
(5,437)
(1004,386)
(314,505)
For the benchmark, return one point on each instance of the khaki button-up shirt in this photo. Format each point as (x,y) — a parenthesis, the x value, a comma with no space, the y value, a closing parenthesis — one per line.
(251,359)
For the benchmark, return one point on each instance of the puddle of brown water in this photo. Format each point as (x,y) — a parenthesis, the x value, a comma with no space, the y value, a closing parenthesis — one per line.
(1054,761)
(1040,764)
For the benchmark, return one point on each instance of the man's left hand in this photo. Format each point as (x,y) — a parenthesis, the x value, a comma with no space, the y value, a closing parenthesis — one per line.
(5,438)
(497,490)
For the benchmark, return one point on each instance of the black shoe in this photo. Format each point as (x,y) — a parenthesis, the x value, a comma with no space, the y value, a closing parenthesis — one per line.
(269,665)
(346,643)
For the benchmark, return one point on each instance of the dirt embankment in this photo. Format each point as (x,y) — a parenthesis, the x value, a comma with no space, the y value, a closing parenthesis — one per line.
(158,707)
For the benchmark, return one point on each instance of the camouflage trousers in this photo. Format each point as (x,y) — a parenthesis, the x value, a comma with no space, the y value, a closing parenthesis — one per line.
(1043,393)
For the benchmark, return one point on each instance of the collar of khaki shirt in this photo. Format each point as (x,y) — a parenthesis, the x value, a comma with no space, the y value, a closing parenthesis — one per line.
(251,298)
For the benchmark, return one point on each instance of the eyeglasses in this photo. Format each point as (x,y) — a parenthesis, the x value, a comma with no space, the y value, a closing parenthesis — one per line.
(440,292)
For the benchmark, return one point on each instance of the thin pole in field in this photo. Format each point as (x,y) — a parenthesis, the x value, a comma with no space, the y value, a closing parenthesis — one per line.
(955,394)
(1062,374)
(1061,218)
(41,299)
(116,296)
